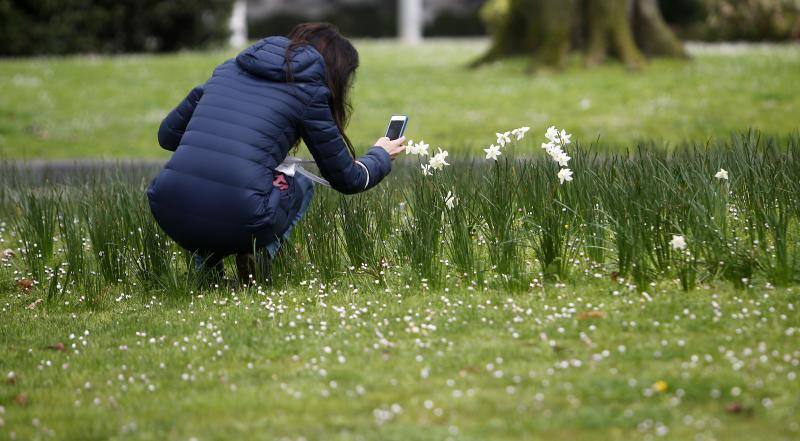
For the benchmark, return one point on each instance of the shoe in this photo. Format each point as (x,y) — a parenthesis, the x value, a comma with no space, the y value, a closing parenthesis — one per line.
(251,268)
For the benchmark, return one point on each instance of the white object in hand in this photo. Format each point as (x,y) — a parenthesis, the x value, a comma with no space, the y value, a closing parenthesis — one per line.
(292,165)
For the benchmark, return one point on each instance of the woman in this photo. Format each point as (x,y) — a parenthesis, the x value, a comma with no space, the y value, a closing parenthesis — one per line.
(220,193)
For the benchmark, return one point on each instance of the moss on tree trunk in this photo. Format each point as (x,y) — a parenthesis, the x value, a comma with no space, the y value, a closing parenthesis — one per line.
(548,30)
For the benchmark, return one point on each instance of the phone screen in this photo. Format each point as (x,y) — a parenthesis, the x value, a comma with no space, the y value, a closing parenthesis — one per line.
(395,129)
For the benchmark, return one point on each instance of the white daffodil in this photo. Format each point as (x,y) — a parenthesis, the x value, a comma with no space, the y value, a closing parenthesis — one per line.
(554,147)
(411,149)
(565,175)
(426,170)
(450,200)
(678,242)
(554,151)
(520,132)
(565,137)
(422,148)
(722,174)
(503,138)
(438,162)
(492,152)
(552,134)
(562,159)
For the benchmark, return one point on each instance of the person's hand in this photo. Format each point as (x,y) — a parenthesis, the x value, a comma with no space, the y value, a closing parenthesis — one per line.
(393,148)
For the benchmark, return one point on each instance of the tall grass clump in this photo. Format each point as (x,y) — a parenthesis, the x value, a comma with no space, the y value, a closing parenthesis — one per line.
(590,224)
(321,239)
(499,205)
(689,215)
(422,229)
(363,232)
(765,191)
(549,218)
(35,228)
(73,241)
(182,278)
(108,219)
(9,185)
(150,251)
(290,265)
(642,213)
(464,223)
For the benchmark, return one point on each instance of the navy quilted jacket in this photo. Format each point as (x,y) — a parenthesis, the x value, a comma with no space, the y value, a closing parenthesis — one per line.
(216,193)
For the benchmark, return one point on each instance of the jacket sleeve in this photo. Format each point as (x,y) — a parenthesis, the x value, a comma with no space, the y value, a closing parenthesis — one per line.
(173,126)
(330,152)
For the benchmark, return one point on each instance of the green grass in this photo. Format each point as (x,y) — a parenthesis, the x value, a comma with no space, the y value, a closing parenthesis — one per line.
(97,106)
(324,363)
(513,222)
(528,310)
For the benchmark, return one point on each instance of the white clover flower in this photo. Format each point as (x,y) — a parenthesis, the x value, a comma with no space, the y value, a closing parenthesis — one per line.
(678,242)
(503,138)
(552,134)
(492,152)
(426,170)
(564,175)
(438,162)
(450,200)
(722,174)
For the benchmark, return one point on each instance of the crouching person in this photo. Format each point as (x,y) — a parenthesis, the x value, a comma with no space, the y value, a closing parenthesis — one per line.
(221,192)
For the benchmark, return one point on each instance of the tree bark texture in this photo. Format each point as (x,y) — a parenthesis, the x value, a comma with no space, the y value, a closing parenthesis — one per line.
(548,30)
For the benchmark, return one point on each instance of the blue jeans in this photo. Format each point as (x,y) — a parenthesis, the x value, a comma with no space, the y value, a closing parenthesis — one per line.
(306,187)
(213,262)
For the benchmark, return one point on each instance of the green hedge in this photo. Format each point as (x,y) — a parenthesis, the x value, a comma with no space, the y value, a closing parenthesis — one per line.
(35,27)
(362,19)
(734,19)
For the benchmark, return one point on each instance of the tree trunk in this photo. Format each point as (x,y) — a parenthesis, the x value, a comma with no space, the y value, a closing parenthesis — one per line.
(551,31)
(510,35)
(654,36)
(609,32)
(548,30)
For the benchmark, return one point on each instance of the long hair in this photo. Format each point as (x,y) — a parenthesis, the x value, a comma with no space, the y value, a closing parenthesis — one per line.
(341,62)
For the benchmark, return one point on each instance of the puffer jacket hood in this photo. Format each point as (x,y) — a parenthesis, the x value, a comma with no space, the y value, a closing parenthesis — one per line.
(267,59)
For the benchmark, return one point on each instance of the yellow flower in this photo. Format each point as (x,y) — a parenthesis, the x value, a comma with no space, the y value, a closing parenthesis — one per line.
(659,386)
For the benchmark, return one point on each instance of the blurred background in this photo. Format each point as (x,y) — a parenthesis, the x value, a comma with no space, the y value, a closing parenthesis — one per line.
(88,78)
(36,27)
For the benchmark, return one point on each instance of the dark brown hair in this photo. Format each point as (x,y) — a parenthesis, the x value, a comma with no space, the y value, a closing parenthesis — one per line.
(341,62)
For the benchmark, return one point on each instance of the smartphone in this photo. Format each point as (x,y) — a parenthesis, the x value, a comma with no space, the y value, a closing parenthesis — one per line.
(397,125)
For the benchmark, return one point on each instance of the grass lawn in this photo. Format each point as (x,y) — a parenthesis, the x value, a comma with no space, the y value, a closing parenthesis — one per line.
(596,362)
(128,343)
(123,344)
(90,106)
